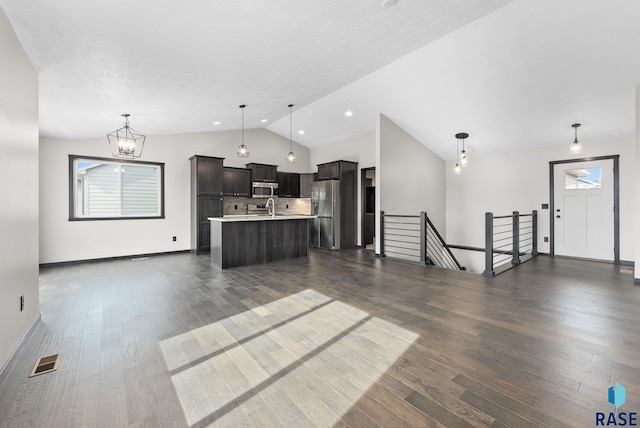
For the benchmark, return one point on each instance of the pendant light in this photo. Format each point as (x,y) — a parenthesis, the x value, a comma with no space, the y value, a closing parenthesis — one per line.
(126,142)
(291,157)
(243,151)
(575,147)
(464,160)
(461,157)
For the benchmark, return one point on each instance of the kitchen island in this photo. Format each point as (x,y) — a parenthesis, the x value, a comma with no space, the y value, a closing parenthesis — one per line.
(252,239)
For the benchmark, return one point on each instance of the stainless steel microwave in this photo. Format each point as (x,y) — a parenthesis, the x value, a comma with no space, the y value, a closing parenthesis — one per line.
(261,189)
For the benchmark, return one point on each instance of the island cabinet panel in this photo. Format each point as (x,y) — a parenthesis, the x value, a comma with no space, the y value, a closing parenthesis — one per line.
(206,199)
(237,244)
(253,242)
(284,240)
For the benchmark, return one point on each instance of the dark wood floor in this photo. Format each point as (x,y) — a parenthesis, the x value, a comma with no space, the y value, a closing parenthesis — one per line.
(341,339)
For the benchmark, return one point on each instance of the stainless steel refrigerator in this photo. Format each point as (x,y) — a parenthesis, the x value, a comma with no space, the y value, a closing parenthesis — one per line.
(325,204)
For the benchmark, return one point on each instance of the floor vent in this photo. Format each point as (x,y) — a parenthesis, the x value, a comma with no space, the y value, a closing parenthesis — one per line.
(45,365)
(137,259)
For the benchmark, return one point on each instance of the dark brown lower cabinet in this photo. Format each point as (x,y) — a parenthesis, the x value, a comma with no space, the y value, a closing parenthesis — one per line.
(206,206)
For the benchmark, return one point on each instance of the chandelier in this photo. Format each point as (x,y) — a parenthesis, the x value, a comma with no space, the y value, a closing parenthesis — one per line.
(126,142)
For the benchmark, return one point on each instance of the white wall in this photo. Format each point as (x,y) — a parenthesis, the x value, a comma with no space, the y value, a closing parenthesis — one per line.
(18,191)
(360,148)
(410,177)
(63,240)
(519,181)
(636,224)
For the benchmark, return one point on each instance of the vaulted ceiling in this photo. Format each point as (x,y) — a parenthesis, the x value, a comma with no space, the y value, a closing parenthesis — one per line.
(513,74)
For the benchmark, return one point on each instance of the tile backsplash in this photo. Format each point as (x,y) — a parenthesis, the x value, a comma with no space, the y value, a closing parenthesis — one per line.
(239,206)
(235,206)
(293,206)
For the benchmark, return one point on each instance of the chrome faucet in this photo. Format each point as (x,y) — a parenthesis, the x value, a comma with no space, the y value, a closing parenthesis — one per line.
(271,208)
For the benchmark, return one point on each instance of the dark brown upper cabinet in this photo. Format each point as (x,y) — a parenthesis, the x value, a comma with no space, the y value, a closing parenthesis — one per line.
(305,185)
(329,171)
(206,175)
(263,172)
(288,185)
(237,182)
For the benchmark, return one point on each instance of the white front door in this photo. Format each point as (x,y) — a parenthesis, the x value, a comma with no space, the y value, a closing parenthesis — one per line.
(583,209)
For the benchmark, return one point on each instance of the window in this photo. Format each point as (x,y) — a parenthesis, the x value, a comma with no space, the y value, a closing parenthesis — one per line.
(107,189)
(584,178)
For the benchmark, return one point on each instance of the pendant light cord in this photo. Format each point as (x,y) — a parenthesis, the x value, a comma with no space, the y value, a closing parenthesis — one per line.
(290,127)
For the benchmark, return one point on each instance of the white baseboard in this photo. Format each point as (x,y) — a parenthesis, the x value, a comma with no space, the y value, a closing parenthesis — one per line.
(26,335)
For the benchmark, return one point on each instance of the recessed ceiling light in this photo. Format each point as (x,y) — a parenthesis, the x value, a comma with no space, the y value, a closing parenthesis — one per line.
(216,123)
(389,3)
(264,120)
(301,132)
(348,113)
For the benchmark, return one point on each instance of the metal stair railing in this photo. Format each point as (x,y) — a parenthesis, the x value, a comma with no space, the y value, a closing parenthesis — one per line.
(415,238)
(509,241)
(437,250)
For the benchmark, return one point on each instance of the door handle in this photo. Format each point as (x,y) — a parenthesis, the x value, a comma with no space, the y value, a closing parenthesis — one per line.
(557,216)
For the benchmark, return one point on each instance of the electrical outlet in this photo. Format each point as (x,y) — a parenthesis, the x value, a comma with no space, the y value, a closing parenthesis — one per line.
(546,239)
(287,206)
(21,303)
(235,207)
(175,239)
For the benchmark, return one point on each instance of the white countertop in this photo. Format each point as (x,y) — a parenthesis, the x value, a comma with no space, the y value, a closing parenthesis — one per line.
(258,217)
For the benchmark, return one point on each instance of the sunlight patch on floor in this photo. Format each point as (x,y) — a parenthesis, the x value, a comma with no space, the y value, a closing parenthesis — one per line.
(303,358)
